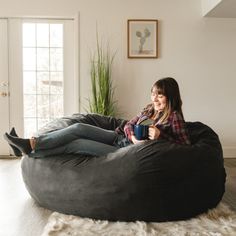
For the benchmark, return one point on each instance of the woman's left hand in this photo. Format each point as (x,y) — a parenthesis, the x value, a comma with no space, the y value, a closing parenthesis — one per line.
(153,132)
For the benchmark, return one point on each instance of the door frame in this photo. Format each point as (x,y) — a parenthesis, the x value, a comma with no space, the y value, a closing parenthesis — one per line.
(4,88)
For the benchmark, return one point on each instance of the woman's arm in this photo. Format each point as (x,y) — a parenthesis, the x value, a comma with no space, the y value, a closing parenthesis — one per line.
(179,131)
(129,128)
(174,130)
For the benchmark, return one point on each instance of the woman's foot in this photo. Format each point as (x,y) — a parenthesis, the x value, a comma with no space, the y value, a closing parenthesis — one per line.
(22,144)
(16,151)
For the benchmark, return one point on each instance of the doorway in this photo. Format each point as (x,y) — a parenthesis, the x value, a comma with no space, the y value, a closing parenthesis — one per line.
(38,81)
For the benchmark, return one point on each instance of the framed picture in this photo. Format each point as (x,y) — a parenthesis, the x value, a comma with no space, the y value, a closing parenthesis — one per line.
(142,38)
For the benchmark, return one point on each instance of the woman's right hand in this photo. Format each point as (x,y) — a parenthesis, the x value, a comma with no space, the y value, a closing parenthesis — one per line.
(135,141)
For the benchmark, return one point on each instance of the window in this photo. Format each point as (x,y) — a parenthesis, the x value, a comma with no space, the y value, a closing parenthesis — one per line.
(43,77)
(40,68)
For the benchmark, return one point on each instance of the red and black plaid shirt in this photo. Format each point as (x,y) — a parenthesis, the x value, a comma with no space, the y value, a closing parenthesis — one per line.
(173,129)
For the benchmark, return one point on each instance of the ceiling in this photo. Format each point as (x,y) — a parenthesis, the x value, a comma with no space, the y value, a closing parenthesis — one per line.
(224,9)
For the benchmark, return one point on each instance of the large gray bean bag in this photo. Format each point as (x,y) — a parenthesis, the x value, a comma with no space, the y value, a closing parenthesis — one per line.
(155,181)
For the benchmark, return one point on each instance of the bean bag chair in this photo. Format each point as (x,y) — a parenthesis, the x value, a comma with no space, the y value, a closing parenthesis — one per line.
(154,181)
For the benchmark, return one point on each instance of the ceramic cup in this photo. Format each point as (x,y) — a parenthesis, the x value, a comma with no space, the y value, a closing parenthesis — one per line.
(141,132)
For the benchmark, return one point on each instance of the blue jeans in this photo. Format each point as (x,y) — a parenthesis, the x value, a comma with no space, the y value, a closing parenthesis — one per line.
(78,138)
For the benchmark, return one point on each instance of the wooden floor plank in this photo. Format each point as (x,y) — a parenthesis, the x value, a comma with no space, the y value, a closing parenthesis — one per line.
(230,186)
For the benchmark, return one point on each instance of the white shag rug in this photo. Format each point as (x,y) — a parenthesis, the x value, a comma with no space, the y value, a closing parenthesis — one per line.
(220,221)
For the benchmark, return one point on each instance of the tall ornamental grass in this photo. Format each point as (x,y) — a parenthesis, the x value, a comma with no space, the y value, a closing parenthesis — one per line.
(102,100)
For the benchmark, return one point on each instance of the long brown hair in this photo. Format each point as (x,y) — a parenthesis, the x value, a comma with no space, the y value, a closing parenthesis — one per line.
(169,88)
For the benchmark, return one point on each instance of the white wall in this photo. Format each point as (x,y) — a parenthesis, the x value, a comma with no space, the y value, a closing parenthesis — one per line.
(199,52)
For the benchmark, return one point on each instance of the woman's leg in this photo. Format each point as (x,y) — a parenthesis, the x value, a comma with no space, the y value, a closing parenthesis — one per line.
(76,131)
(78,146)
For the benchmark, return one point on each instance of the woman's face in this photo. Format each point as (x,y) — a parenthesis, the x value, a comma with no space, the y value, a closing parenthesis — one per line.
(159,100)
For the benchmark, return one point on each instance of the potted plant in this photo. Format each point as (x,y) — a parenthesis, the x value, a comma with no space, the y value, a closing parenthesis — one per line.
(102,100)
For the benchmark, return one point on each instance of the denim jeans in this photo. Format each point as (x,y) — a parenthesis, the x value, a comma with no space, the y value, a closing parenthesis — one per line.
(78,138)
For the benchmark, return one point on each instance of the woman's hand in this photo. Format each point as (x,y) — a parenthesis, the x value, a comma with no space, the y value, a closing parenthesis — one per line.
(153,132)
(135,141)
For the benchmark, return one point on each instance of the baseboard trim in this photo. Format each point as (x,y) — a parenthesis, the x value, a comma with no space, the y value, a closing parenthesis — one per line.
(229,152)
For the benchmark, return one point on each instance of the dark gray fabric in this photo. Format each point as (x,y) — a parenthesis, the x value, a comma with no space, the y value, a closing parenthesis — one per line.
(154,181)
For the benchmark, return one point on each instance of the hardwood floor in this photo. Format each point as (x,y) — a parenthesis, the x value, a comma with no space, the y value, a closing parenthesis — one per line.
(20,216)
(230,192)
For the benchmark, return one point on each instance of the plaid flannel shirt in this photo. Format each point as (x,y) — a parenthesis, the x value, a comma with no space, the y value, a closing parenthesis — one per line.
(173,130)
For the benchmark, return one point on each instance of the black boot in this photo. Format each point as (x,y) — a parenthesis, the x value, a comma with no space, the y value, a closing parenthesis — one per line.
(22,144)
(16,151)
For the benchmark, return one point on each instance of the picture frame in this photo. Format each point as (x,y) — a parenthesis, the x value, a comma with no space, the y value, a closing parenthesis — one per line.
(142,38)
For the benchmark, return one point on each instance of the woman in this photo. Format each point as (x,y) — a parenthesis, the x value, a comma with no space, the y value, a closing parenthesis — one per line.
(165,111)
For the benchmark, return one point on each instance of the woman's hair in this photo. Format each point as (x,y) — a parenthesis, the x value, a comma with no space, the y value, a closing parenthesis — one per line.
(169,88)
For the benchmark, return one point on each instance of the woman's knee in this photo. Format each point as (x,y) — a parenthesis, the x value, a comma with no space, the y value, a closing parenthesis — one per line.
(77,128)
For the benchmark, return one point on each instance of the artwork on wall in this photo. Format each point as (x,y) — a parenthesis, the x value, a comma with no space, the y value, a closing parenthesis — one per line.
(142,38)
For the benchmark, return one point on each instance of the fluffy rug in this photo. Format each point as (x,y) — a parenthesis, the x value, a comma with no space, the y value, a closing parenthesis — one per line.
(220,221)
